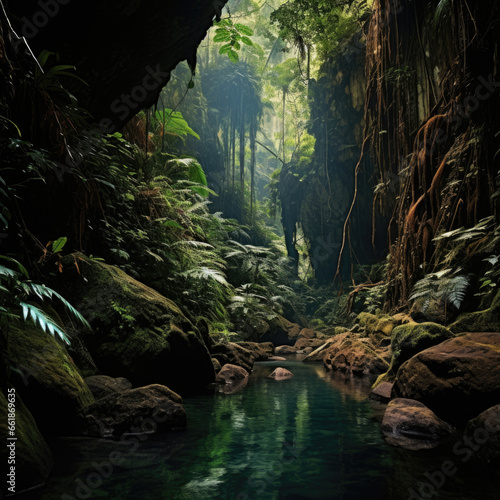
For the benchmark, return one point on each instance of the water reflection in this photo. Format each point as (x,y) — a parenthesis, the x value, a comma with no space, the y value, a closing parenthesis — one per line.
(309,437)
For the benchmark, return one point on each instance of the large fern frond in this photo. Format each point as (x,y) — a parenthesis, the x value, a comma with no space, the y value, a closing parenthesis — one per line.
(205,273)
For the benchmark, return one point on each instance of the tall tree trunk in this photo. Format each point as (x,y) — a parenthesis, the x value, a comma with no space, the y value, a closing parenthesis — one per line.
(227,155)
(308,47)
(242,145)
(283,126)
(233,149)
(253,133)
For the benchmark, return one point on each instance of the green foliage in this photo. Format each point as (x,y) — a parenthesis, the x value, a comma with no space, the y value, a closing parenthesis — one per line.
(18,297)
(171,123)
(445,286)
(398,75)
(476,248)
(328,25)
(232,36)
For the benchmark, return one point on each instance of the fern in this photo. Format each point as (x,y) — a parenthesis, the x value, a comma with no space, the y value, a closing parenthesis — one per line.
(444,285)
(204,273)
(454,289)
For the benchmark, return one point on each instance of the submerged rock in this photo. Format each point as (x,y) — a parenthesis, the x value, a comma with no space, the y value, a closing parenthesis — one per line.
(32,454)
(281,374)
(457,379)
(231,379)
(413,426)
(46,378)
(234,354)
(136,332)
(102,385)
(230,374)
(144,410)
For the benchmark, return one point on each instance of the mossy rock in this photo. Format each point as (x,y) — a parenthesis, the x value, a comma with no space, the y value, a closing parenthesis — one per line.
(367,321)
(46,377)
(281,332)
(479,321)
(137,333)
(385,325)
(340,329)
(408,340)
(33,456)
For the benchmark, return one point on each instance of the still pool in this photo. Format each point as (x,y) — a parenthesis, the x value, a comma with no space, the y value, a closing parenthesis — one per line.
(315,437)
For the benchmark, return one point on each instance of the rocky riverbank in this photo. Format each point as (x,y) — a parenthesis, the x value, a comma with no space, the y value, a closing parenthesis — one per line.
(130,372)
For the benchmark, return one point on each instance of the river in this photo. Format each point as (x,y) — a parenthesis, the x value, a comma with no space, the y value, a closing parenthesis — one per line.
(315,436)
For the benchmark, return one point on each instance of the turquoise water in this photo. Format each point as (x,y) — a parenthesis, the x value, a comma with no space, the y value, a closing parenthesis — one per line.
(312,437)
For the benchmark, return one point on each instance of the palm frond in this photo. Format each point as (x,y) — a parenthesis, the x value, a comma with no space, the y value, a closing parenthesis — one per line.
(44,292)
(42,319)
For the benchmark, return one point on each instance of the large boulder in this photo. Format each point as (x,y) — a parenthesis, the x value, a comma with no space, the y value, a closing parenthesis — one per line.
(457,379)
(281,332)
(102,385)
(408,340)
(143,410)
(136,332)
(46,378)
(352,355)
(484,430)
(411,425)
(260,350)
(32,454)
(233,354)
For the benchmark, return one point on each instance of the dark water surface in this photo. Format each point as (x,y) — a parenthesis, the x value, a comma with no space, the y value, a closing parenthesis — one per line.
(314,437)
